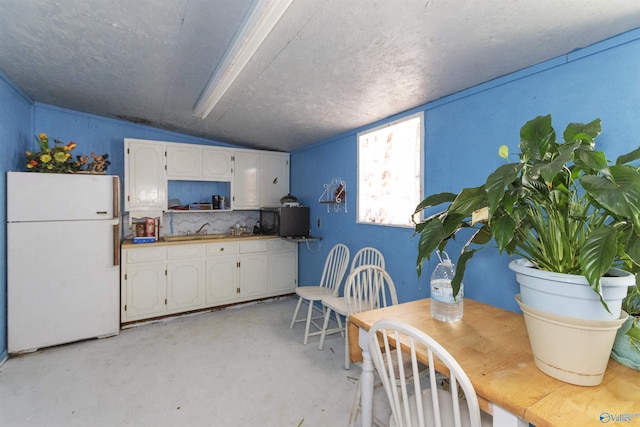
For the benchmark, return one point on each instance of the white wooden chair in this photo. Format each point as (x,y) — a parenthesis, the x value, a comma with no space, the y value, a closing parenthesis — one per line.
(335,267)
(365,256)
(420,406)
(367,287)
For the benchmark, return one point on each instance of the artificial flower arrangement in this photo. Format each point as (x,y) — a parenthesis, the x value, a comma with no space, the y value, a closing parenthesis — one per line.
(58,159)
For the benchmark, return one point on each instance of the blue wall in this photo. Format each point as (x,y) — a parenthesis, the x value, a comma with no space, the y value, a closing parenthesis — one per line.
(15,137)
(462,136)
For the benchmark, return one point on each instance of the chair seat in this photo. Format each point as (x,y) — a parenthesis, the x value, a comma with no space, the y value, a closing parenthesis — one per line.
(313,293)
(446,409)
(337,304)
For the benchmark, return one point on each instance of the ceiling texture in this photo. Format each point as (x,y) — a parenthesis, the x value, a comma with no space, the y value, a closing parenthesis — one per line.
(328,66)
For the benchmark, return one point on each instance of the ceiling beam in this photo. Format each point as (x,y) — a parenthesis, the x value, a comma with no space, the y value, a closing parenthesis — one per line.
(263,17)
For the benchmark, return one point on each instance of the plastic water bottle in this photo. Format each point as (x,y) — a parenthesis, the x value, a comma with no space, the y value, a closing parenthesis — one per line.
(444,306)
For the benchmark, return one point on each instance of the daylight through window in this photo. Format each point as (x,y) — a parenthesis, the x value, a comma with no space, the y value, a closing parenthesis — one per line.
(390,172)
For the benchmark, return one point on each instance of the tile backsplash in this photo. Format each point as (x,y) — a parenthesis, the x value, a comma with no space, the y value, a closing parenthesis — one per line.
(178,223)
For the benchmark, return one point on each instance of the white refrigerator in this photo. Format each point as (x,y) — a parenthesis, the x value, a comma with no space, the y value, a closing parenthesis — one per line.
(63,246)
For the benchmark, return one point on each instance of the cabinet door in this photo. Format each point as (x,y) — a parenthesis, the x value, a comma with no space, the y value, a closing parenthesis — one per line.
(185,285)
(246,176)
(275,178)
(145,176)
(146,291)
(184,162)
(222,279)
(216,164)
(253,276)
(283,267)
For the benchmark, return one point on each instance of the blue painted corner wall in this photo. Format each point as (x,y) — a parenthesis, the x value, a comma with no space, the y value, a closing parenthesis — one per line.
(462,135)
(15,134)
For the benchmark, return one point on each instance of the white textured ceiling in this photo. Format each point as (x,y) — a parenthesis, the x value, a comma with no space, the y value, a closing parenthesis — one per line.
(327,67)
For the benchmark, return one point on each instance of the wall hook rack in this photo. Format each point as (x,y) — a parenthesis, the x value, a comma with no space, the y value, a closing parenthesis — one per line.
(335,193)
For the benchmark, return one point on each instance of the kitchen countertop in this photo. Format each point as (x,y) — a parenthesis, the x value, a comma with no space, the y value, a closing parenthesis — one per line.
(229,238)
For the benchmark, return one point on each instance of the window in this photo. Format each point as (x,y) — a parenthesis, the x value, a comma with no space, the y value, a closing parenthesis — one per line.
(390,172)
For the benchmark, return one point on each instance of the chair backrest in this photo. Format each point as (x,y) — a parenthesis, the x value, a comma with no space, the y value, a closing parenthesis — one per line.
(417,408)
(335,266)
(369,287)
(367,256)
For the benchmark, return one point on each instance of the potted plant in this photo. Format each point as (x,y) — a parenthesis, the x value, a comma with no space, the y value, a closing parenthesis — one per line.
(563,207)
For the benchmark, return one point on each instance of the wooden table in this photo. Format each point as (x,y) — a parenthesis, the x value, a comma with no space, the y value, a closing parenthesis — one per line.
(492,346)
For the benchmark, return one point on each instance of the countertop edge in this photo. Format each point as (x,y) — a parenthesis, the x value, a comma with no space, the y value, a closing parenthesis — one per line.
(128,243)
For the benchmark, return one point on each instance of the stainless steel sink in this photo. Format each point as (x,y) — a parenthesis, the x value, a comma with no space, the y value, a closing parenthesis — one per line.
(185,238)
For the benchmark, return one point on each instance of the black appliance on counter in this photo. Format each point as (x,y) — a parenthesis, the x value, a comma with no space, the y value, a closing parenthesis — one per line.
(285,221)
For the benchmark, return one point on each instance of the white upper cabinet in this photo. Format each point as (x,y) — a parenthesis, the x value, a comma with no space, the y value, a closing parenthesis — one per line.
(257,178)
(246,180)
(217,164)
(184,161)
(198,163)
(275,178)
(145,179)
(261,178)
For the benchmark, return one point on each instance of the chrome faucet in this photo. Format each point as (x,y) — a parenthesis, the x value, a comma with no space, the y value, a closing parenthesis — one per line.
(201,227)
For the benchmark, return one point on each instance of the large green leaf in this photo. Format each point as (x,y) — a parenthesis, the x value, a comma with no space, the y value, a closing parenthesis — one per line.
(629,157)
(498,180)
(535,138)
(461,266)
(469,200)
(619,193)
(597,254)
(548,170)
(632,248)
(582,131)
(430,237)
(482,236)
(435,200)
(452,223)
(503,229)
(589,159)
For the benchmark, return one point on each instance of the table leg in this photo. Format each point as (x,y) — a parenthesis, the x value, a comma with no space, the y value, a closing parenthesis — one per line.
(504,418)
(366,381)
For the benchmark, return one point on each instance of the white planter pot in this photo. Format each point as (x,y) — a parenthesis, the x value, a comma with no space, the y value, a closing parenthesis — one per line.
(572,350)
(570,295)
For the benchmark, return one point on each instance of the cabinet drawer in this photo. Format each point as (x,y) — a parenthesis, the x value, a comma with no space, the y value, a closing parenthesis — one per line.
(222,248)
(185,251)
(134,256)
(251,246)
(281,245)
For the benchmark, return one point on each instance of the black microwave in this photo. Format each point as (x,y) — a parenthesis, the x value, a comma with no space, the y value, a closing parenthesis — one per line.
(285,221)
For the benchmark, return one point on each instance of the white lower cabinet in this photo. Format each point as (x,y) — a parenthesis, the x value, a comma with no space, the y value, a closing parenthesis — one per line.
(185,278)
(253,269)
(283,267)
(143,283)
(162,280)
(222,273)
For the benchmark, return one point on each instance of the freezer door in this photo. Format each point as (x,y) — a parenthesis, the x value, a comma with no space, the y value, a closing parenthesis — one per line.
(35,196)
(62,285)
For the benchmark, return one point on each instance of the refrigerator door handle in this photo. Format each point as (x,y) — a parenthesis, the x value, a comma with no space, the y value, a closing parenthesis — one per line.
(116,197)
(116,244)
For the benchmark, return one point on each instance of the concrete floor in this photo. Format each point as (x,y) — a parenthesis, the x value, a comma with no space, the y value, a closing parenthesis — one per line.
(241,366)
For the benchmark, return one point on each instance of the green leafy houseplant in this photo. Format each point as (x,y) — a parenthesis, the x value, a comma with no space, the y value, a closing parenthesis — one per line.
(631,305)
(563,206)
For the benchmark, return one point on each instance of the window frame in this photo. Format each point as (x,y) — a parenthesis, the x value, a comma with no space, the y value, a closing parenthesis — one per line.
(363,156)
